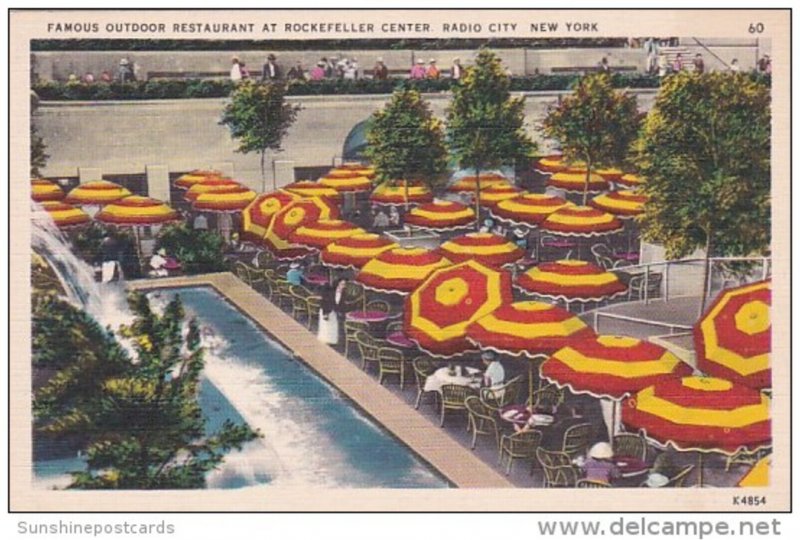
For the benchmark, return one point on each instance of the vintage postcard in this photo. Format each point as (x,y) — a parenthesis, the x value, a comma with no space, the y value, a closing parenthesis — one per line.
(428,260)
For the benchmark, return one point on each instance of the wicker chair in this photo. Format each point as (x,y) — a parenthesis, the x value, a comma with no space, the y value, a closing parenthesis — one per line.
(577,439)
(394,326)
(313,306)
(241,271)
(378,305)
(391,362)
(423,368)
(353,297)
(369,348)
(255,277)
(520,445)
(283,294)
(547,399)
(557,467)
(453,398)
(270,287)
(481,421)
(300,296)
(679,479)
(350,330)
(630,445)
(265,258)
(590,484)
(495,398)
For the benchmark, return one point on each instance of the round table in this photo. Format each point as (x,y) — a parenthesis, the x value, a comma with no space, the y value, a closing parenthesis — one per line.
(400,340)
(172,264)
(630,466)
(442,376)
(368,316)
(630,256)
(520,415)
(316,279)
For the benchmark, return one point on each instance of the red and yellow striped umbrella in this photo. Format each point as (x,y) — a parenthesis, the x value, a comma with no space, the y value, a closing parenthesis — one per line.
(529,209)
(95,193)
(630,180)
(439,311)
(486,248)
(396,195)
(45,190)
(610,174)
(354,183)
(348,170)
(65,215)
(293,216)
(528,329)
(441,216)
(468,184)
(623,204)
(258,215)
(703,414)
(312,189)
(400,270)
(758,475)
(575,182)
(551,164)
(570,281)
(224,200)
(612,367)
(187,180)
(582,221)
(733,339)
(495,194)
(355,251)
(319,234)
(209,185)
(135,211)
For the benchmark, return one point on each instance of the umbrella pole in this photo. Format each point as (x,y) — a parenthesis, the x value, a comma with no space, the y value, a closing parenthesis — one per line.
(700,469)
(138,248)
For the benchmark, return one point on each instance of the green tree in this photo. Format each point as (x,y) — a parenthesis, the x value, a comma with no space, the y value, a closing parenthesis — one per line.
(259,117)
(199,252)
(705,151)
(405,141)
(595,124)
(141,422)
(38,156)
(485,125)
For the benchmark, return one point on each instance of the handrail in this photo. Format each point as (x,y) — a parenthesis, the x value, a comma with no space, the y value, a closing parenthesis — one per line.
(712,53)
(671,326)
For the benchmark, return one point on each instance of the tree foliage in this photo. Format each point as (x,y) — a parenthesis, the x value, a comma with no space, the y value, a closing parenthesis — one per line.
(406,142)
(199,251)
(38,156)
(259,117)
(595,124)
(139,415)
(485,125)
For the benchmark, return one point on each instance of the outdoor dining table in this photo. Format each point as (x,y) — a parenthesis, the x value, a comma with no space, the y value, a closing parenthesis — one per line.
(462,376)
(400,340)
(630,467)
(369,316)
(520,415)
(316,279)
(630,256)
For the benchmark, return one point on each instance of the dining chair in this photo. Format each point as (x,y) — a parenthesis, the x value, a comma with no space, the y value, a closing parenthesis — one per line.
(495,398)
(255,277)
(300,297)
(680,478)
(577,439)
(557,467)
(350,330)
(423,368)
(265,258)
(520,445)
(453,398)
(481,420)
(391,362)
(240,269)
(547,399)
(585,483)
(283,297)
(630,445)
(368,347)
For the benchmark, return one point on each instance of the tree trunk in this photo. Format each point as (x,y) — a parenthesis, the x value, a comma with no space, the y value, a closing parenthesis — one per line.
(263,172)
(477,199)
(405,188)
(586,181)
(706,272)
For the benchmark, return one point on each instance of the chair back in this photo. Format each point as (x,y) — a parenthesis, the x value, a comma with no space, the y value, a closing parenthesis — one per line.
(390,358)
(577,439)
(241,271)
(547,399)
(265,258)
(454,395)
(630,445)
(353,297)
(679,479)
(367,346)
(352,327)
(557,467)
(476,407)
(584,483)
(378,305)
(526,442)
(298,291)
(500,396)
(423,368)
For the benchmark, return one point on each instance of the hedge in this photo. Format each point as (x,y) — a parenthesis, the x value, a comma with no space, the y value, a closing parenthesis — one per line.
(314,44)
(216,88)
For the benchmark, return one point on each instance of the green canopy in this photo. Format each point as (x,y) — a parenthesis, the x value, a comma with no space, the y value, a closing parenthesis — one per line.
(356,142)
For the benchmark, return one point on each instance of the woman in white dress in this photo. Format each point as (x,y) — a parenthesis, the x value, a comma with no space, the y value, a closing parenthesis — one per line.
(332,296)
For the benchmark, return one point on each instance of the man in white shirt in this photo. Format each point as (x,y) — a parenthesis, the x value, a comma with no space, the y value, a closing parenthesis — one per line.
(494,375)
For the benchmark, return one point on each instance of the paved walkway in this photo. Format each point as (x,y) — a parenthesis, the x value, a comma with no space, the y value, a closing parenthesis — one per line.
(456,463)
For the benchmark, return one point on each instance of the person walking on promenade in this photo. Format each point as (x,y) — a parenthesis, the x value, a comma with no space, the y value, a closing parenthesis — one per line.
(418,70)
(677,65)
(433,70)
(317,73)
(330,307)
(380,72)
(699,65)
(455,69)
(271,71)
(236,70)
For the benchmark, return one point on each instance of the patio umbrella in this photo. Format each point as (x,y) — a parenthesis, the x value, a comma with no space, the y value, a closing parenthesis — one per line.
(137,210)
(575,182)
(732,340)
(758,475)
(354,183)
(571,281)
(441,216)
(319,234)
(395,195)
(623,204)
(96,193)
(195,177)
(486,248)
(701,414)
(258,215)
(400,270)
(551,164)
(496,193)
(312,189)
(630,180)
(291,217)
(65,215)
(348,170)
(439,311)
(468,184)
(611,368)
(231,199)
(610,174)
(528,210)
(529,330)
(355,251)
(582,221)
(211,184)
(45,190)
